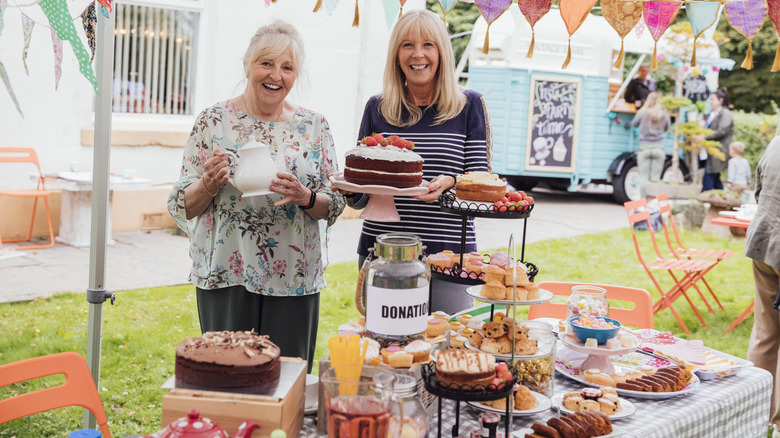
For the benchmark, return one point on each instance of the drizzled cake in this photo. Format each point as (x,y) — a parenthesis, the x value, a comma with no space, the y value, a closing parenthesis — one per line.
(384,161)
(460,367)
(227,360)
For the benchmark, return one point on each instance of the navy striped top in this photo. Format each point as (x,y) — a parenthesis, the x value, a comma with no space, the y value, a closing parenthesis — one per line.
(459,145)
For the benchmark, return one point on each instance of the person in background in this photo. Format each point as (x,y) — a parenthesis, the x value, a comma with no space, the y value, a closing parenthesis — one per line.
(763,246)
(639,87)
(421,101)
(257,262)
(739,169)
(653,121)
(721,122)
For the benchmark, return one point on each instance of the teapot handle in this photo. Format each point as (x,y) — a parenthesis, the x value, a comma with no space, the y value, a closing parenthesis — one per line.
(232,162)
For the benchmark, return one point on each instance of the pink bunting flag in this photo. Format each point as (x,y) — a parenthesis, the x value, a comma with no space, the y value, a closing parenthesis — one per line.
(533,10)
(658,16)
(106,4)
(401,11)
(773,12)
(491,10)
(56,43)
(747,17)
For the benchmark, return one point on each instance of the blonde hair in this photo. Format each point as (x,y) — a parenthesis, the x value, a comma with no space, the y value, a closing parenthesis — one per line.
(396,105)
(270,41)
(656,113)
(738,147)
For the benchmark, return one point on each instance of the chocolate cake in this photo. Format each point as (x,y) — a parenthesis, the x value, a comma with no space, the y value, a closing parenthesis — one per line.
(227,360)
(383,165)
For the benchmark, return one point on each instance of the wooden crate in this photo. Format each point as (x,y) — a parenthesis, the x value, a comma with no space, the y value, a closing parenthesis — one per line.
(229,410)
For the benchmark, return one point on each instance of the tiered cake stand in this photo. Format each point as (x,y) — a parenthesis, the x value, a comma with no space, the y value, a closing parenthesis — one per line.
(381,205)
(598,357)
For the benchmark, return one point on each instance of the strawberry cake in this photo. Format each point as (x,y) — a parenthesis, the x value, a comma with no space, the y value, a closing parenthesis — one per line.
(384,161)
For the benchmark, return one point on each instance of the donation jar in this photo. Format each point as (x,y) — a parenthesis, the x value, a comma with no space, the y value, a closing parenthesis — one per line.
(397,290)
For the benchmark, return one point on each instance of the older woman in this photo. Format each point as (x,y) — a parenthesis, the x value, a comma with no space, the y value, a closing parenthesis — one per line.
(421,101)
(258,261)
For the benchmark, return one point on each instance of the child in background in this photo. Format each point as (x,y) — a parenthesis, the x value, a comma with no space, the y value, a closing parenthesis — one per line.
(739,168)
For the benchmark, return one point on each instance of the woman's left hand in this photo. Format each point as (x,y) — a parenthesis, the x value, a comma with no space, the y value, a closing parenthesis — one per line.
(436,187)
(287,185)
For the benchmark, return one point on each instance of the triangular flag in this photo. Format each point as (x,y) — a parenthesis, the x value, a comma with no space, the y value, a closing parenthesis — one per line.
(533,10)
(106,4)
(59,20)
(391,11)
(27,28)
(401,9)
(773,12)
(57,49)
(702,16)
(447,6)
(330,6)
(88,21)
(658,16)
(622,15)
(574,13)
(747,17)
(491,10)
(3,72)
(356,21)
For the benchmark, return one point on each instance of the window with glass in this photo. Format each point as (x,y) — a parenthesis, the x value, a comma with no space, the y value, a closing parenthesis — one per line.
(154,59)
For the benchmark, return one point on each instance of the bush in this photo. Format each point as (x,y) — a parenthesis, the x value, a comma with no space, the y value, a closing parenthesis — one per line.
(756,130)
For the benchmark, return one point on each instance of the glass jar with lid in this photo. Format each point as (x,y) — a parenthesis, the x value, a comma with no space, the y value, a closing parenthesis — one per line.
(587,300)
(397,290)
(416,419)
(537,371)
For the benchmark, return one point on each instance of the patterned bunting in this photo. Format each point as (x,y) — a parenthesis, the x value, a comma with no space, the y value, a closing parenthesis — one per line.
(391,11)
(330,6)
(57,49)
(574,13)
(447,6)
(702,16)
(658,16)
(106,4)
(774,16)
(59,20)
(356,21)
(88,21)
(3,72)
(747,17)
(27,28)
(533,10)
(491,10)
(401,9)
(622,15)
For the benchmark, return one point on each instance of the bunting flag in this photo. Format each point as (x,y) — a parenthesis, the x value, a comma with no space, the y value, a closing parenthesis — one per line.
(317,6)
(88,21)
(447,6)
(27,28)
(59,20)
(574,13)
(774,16)
(106,4)
(702,16)
(401,9)
(491,10)
(658,16)
(57,49)
(747,17)
(3,72)
(391,11)
(622,15)
(533,10)
(330,6)
(356,21)
(104,12)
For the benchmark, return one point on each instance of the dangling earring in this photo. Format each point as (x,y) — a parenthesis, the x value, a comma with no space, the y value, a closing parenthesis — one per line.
(404,82)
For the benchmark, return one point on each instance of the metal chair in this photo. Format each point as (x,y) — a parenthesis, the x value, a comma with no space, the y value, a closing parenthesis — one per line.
(28,155)
(641,315)
(78,390)
(692,270)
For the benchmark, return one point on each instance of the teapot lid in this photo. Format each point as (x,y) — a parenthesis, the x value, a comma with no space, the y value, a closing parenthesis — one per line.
(193,425)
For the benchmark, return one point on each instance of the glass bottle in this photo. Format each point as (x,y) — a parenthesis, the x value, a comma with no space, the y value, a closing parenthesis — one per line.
(416,419)
(587,300)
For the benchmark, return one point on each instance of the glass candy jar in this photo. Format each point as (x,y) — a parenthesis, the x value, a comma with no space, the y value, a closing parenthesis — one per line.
(537,371)
(588,301)
(415,417)
(397,290)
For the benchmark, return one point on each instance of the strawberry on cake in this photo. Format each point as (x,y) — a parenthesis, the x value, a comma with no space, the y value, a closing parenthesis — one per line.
(384,161)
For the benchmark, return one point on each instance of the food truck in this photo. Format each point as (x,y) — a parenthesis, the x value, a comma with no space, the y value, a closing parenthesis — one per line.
(563,127)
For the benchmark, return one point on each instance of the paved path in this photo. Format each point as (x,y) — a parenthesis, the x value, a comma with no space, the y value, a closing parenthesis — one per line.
(158,258)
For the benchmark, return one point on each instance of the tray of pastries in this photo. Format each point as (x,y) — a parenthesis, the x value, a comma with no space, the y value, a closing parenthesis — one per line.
(484,194)
(605,400)
(582,424)
(460,374)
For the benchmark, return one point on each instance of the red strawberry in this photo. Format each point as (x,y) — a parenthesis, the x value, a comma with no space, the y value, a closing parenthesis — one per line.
(383,142)
(522,193)
(370,141)
(363,141)
(529,199)
(515,196)
(504,199)
(501,368)
(409,144)
(378,138)
(496,205)
(399,142)
(502,208)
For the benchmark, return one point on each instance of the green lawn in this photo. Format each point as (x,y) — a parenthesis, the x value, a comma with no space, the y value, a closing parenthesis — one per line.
(142,330)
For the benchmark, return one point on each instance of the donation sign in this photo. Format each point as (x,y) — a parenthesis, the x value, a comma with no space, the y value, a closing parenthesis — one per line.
(396,312)
(552,124)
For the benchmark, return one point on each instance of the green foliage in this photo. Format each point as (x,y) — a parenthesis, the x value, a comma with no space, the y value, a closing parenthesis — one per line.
(756,131)
(694,140)
(673,103)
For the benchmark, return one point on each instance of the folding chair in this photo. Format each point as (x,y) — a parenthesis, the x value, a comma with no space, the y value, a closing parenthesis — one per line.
(692,270)
(28,155)
(78,390)
(641,315)
(681,252)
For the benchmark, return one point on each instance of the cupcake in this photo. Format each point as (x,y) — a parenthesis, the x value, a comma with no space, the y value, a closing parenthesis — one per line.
(465,319)
(351,328)
(440,261)
(389,351)
(436,327)
(420,350)
(371,348)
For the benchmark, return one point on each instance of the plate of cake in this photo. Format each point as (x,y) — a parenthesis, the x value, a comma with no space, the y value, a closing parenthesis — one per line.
(526,402)
(604,400)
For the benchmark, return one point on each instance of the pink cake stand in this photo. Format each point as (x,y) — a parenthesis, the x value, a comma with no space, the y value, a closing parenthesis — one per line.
(381,205)
(597,357)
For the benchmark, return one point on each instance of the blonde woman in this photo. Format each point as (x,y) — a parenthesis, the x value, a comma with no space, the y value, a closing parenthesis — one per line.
(421,101)
(653,121)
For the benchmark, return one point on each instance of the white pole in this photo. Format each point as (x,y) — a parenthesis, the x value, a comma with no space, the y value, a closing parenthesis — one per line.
(96,293)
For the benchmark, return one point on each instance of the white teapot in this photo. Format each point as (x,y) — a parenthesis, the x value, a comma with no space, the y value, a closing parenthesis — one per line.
(252,174)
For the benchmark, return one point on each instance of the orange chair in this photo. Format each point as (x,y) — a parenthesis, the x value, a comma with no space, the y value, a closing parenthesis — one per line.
(78,390)
(28,155)
(692,270)
(681,252)
(640,316)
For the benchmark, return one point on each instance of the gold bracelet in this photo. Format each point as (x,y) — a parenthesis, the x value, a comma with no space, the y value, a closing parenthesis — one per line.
(203,180)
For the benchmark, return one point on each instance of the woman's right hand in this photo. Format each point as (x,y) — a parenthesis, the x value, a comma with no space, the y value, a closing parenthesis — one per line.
(217,171)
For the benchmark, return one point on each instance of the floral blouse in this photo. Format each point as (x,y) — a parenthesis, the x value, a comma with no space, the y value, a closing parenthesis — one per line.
(269,250)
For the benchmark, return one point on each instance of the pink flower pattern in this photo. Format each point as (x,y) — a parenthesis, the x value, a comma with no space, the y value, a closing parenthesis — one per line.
(236,263)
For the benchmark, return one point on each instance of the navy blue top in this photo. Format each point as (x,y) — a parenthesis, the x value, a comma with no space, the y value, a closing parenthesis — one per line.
(459,145)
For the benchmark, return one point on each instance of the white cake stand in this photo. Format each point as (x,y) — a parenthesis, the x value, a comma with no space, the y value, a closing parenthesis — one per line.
(598,357)
(381,205)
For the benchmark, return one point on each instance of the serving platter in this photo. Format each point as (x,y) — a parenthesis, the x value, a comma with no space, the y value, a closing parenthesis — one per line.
(616,432)
(541,351)
(626,410)
(381,206)
(542,404)
(544,296)
(693,383)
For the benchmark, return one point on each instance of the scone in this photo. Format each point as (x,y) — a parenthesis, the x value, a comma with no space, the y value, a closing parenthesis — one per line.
(493,290)
(524,399)
(494,273)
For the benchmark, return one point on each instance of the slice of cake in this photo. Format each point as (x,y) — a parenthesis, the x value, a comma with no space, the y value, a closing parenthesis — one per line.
(384,161)
(465,367)
(480,186)
(227,360)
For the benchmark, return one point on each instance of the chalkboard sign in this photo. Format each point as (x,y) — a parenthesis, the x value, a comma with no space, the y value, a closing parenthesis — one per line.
(552,124)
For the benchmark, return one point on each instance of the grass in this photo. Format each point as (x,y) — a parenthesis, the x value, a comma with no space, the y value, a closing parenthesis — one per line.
(143,328)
